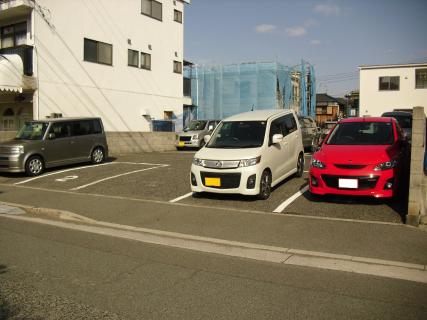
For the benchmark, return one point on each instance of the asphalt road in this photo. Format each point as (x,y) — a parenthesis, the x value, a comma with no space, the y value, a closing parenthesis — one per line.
(165,177)
(52,273)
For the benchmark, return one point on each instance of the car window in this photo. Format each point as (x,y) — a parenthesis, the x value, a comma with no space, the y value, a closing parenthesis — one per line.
(290,124)
(61,129)
(238,134)
(97,128)
(32,131)
(362,133)
(275,128)
(81,128)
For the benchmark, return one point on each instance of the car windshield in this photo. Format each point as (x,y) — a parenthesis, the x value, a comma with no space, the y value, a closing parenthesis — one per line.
(362,133)
(32,131)
(238,134)
(196,125)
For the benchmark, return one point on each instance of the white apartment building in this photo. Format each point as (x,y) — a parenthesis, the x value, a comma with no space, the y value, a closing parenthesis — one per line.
(119,60)
(392,87)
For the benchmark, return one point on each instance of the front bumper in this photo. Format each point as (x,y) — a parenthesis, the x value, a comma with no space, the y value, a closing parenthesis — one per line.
(12,163)
(369,182)
(187,144)
(231,175)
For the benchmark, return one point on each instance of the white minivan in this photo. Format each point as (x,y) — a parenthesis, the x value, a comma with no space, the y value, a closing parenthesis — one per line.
(249,153)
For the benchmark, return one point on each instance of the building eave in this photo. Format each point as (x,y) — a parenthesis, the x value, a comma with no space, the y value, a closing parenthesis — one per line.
(389,66)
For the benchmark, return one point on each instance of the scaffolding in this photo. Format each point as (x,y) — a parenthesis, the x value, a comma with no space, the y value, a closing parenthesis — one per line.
(224,90)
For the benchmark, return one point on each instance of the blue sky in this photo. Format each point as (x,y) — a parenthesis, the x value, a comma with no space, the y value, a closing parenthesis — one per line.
(335,36)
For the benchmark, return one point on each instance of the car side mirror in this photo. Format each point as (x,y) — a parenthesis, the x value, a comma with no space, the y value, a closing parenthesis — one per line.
(207,138)
(210,128)
(277,138)
(51,136)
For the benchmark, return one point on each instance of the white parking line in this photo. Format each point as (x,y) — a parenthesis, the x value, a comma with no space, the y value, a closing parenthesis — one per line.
(181,197)
(62,171)
(286,203)
(144,163)
(116,176)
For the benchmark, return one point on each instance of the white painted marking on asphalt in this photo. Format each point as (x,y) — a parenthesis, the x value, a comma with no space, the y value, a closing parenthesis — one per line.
(67,178)
(62,171)
(116,176)
(181,197)
(288,201)
(144,163)
(288,256)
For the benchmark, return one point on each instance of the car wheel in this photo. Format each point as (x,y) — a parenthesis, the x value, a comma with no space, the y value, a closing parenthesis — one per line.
(34,166)
(300,166)
(265,185)
(97,155)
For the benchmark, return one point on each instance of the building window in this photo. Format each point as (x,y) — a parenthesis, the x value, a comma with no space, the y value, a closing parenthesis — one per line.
(420,78)
(177,67)
(389,83)
(152,9)
(133,58)
(14,35)
(177,16)
(145,61)
(98,52)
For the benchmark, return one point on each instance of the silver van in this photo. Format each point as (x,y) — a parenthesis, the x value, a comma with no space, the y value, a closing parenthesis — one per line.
(49,143)
(193,135)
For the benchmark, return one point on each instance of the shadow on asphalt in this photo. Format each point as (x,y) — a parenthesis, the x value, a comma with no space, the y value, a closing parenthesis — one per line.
(239,197)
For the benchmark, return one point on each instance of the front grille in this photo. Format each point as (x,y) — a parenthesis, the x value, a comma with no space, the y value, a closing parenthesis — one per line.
(5,150)
(4,158)
(228,180)
(349,166)
(364,182)
(184,138)
(221,164)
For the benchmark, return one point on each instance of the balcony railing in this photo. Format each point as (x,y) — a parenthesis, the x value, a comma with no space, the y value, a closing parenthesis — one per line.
(26,54)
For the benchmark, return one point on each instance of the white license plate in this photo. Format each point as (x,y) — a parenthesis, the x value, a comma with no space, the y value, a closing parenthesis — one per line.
(348,183)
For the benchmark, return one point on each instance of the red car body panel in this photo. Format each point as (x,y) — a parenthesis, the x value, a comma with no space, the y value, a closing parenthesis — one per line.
(357,162)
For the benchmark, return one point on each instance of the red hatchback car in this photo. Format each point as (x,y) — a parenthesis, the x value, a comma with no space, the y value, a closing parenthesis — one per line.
(360,157)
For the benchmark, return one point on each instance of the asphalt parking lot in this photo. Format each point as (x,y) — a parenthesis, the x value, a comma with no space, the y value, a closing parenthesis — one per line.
(164,177)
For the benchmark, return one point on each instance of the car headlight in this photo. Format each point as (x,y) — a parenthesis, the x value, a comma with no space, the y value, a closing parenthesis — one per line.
(17,150)
(386,165)
(249,162)
(198,162)
(317,164)
(195,137)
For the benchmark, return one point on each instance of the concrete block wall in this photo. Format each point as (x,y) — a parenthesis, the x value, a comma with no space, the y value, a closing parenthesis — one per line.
(7,135)
(137,142)
(417,205)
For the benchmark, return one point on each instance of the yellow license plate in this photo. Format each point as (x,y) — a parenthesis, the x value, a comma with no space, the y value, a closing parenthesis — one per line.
(181,143)
(212,182)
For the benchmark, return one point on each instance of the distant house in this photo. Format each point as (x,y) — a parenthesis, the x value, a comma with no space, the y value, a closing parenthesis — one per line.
(327,108)
(392,87)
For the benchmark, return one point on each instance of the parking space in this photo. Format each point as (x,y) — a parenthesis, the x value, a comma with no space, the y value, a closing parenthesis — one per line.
(165,177)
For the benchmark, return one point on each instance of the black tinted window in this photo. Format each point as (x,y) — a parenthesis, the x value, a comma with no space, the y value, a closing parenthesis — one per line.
(290,124)
(61,129)
(275,128)
(238,134)
(97,128)
(81,128)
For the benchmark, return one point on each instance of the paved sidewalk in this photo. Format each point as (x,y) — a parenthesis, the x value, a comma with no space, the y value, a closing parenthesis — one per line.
(371,240)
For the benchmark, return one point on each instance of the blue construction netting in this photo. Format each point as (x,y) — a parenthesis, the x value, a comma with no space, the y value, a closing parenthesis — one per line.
(224,90)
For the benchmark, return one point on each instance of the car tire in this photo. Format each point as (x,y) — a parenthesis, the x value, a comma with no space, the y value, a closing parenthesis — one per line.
(97,156)
(300,166)
(34,166)
(265,185)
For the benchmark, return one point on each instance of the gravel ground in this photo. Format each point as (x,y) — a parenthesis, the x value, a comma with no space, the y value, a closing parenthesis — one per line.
(20,301)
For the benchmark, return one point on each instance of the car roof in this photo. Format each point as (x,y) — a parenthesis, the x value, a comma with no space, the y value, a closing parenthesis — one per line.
(257,115)
(396,113)
(65,119)
(367,119)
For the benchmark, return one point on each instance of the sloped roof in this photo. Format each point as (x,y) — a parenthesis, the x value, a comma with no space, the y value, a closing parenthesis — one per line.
(323,97)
